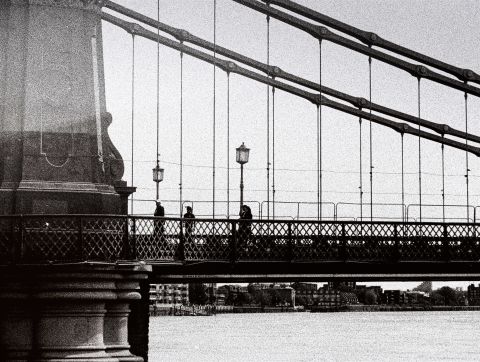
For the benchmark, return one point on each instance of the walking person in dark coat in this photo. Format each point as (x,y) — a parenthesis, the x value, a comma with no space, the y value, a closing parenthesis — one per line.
(189,224)
(244,224)
(159,224)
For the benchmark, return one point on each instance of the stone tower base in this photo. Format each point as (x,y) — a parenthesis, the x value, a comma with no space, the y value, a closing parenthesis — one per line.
(75,312)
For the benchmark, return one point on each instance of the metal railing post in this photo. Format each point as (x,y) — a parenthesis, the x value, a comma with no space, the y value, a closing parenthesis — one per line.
(233,242)
(446,243)
(343,252)
(18,252)
(181,244)
(126,247)
(289,242)
(132,240)
(396,252)
(80,240)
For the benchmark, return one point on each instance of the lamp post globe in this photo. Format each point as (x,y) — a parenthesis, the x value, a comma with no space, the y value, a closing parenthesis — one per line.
(157,177)
(242,154)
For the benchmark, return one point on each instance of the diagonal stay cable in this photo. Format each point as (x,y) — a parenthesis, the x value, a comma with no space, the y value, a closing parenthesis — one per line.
(320,32)
(373,39)
(184,36)
(231,67)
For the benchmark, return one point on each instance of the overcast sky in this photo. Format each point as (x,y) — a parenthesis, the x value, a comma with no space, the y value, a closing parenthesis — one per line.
(446,30)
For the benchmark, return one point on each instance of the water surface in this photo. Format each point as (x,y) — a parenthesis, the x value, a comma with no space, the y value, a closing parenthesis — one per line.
(360,336)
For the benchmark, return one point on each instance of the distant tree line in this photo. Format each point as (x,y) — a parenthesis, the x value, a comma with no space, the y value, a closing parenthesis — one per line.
(447,296)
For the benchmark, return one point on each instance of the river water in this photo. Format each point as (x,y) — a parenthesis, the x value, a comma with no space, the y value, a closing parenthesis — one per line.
(359,336)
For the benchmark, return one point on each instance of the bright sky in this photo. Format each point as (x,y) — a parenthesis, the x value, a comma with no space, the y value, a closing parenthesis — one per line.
(446,30)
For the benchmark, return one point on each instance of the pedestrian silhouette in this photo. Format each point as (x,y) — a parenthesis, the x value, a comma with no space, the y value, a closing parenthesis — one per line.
(189,224)
(159,227)
(244,224)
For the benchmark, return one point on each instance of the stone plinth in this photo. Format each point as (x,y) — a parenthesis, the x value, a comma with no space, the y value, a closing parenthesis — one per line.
(68,312)
(55,152)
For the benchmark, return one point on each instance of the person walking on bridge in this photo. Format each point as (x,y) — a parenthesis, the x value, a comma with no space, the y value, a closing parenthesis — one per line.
(244,224)
(159,227)
(189,224)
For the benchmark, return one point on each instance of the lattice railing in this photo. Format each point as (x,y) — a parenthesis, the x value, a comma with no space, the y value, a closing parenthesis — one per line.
(71,238)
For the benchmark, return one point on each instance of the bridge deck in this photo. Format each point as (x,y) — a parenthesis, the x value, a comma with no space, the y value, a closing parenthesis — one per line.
(248,250)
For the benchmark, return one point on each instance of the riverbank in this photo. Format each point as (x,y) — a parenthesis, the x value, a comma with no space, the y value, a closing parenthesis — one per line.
(394,308)
(203,310)
(227,309)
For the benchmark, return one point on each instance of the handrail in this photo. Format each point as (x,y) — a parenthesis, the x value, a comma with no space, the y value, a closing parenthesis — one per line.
(298,203)
(77,238)
(458,206)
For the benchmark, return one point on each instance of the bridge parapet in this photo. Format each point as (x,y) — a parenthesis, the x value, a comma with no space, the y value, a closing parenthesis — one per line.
(109,238)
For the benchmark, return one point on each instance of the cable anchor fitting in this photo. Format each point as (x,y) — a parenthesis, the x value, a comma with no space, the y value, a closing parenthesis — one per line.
(468,74)
(361,102)
(420,71)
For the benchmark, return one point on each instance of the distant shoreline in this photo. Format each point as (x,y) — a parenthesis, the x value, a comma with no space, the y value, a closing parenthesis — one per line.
(346,308)
(395,308)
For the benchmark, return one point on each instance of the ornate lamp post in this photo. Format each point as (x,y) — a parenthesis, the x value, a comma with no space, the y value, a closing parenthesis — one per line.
(157,176)
(242,158)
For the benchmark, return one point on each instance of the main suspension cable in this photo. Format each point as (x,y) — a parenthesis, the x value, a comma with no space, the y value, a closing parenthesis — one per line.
(370,131)
(288,88)
(180,184)
(268,120)
(133,115)
(419,154)
(319,130)
(214,100)
(467,170)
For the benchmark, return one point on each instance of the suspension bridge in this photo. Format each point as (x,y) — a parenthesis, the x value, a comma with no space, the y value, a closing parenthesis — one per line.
(77,243)
(371,185)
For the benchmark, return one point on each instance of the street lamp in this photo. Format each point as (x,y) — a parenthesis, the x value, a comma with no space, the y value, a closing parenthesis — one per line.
(242,158)
(157,176)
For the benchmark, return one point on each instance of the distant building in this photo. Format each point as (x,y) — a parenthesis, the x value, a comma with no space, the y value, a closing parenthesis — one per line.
(342,285)
(227,294)
(221,294)
(286,295)
(168,294)
(211,293)
(348,298)
(306,292)
(393,297)
(260,286)
(473,295)
(327,297)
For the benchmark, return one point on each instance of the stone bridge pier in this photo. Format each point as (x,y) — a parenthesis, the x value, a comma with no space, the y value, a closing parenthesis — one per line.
(55,153)
(70,312)
(56,158)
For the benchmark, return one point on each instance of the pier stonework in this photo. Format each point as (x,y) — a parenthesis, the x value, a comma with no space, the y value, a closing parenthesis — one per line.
(56,158)
(68,312)
(56,155)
